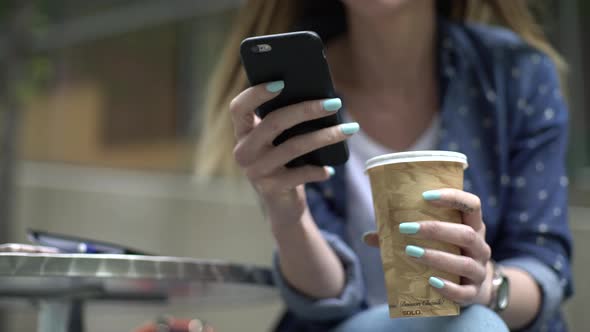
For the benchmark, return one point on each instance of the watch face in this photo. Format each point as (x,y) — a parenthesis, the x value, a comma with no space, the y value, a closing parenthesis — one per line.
(503,294)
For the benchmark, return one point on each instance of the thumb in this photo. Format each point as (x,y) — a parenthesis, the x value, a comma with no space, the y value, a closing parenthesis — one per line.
(371,239)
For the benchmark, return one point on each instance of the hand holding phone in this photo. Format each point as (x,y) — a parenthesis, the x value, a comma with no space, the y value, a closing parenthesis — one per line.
(297,59)
(288,117)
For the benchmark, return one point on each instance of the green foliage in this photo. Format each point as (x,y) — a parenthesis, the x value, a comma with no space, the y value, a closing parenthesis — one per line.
(34,70)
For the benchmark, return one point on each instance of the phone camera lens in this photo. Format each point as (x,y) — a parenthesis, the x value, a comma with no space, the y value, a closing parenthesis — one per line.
(261,48)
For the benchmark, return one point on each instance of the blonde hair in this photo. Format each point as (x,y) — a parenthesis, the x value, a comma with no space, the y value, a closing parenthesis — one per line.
(214,156)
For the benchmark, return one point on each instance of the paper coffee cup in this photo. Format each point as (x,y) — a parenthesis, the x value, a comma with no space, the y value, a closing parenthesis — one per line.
(397,183)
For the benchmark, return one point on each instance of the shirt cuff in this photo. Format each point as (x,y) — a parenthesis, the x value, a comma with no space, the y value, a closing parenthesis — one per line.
(330,309)
(548,280)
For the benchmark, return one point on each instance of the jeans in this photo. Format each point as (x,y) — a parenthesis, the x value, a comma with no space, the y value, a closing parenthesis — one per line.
(473,318)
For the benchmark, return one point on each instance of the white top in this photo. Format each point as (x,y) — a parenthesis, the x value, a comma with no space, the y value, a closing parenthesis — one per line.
(361,217)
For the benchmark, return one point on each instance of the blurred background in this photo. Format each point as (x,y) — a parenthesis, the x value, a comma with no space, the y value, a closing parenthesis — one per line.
(100,104)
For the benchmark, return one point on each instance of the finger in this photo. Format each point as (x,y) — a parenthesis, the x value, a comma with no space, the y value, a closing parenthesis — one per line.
(371,239)
(242,107)
(467,203)
(462,294)
(280,120)
(298,146)
(290,178)
(473,244)
(455,264)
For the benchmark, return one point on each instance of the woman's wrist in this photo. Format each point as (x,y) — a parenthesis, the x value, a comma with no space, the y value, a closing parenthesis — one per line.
(286,223)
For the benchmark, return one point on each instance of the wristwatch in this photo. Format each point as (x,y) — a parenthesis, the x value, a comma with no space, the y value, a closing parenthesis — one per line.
(500,289)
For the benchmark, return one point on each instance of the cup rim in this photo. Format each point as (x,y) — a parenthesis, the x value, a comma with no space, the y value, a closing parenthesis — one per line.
(416,156)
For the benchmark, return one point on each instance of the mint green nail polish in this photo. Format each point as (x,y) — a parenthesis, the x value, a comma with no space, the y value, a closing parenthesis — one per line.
(432,195)
(275,86)
(331,170)
(436,282)
(350,128)
(414,251)
(332,105)
(409,227)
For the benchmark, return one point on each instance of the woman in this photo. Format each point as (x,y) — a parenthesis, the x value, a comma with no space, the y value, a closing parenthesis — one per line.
(415,76)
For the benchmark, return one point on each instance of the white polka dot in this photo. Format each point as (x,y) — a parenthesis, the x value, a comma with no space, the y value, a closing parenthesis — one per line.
(564,181)
(557,211)
(453,146)
(543,228)
(449,71)
(523,217)
(540,240)
(529,110)
(549,114)
(542,195)
(536,59)
(476,143)
(521,104)
(516,72)
(463,110)
(505,180)
(520,182)
(491,96)
(539,166)
(467,185)
(562,282)
(558,265)
(487,122)
(543,89)
(492,201)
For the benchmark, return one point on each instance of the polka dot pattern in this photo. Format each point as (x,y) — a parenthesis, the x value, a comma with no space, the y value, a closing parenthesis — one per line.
(511,125)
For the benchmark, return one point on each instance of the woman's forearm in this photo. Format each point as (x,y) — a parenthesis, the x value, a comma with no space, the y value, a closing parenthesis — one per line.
(306,260)
(525,299)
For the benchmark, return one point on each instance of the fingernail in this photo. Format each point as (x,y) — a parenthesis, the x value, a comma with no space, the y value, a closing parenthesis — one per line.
(365,235)
(332,105)
(414,251)
(349,128)
(275,86)
(432,195)
(331,170)
(409,227)
(436,282)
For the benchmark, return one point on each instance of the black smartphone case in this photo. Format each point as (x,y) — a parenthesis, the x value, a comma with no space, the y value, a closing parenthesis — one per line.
(297,58)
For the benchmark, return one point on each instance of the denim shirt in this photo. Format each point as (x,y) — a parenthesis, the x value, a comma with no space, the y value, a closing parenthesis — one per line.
(501,105)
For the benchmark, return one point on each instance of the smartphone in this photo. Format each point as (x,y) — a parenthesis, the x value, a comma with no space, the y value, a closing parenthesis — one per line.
(299,59)
(73,244)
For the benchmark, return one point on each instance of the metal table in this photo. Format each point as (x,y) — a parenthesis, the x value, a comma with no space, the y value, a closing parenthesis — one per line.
(62,282)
